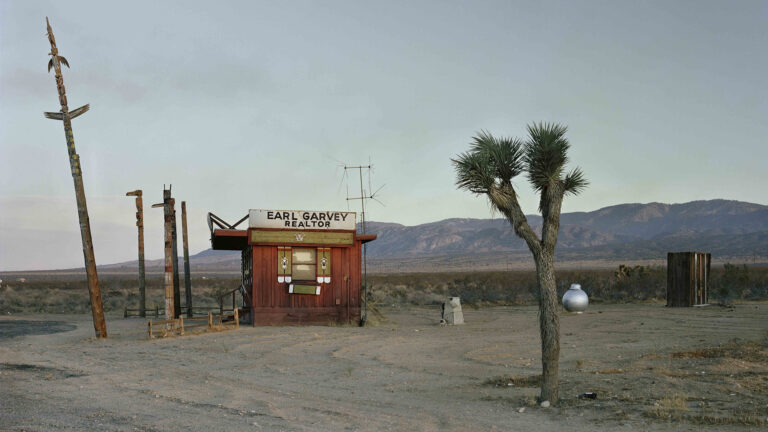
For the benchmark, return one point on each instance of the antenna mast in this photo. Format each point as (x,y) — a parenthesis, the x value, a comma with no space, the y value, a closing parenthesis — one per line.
(363,196)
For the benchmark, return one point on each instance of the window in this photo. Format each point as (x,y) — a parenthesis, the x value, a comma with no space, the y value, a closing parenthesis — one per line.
(304,264)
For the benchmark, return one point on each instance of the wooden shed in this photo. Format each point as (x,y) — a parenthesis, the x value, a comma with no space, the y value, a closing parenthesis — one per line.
(298,266)
(688,278)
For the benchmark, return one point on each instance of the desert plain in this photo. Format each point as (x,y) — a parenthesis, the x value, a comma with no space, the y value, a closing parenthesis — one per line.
(651,368)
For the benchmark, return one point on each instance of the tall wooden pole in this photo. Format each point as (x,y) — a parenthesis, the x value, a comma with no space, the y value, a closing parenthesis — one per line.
(187,280)
(167,213)
(99,324)
(174,237)
(142,277)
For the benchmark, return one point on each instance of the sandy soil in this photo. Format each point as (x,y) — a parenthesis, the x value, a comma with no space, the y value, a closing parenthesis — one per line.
(645,363)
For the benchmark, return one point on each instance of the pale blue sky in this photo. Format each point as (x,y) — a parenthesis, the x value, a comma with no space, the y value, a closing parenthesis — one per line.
(253,104)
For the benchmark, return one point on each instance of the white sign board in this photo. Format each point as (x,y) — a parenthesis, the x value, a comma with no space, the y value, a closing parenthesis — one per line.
(302,219)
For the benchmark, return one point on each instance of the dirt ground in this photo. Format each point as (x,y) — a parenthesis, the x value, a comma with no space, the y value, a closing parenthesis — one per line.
(652,368)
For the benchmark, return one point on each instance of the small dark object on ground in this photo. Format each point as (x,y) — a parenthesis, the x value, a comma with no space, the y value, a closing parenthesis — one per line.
(588,395)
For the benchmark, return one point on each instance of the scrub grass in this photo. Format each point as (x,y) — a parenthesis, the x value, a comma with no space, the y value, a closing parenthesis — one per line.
(58,292)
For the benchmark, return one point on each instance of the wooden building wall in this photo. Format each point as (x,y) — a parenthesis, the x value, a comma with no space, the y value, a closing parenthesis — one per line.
(339,300)
(688,278)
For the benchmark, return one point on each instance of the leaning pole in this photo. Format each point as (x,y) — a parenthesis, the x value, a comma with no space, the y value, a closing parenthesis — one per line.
(82,209)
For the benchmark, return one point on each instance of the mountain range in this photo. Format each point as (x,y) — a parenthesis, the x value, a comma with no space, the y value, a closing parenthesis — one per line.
(625,232)
(733,227)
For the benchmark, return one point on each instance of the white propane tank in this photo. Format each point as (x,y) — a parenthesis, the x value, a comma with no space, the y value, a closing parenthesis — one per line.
(575,300)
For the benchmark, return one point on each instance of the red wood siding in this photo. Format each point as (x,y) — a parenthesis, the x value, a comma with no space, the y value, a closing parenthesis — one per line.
(339,300)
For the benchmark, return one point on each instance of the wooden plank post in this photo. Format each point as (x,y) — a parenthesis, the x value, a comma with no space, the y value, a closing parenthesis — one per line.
(237,319)
(174,236)
(181,325)
(149,325)
(187,277)
(142,276)
(167,214)
(210,319)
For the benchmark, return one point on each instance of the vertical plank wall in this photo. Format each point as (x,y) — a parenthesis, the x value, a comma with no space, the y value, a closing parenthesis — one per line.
(339,300)
(688,278)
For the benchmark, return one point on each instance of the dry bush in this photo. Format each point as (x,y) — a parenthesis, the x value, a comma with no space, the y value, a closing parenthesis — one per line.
(753,351)
(670,407)
(635,284)
(609,371)
(58,293)
(515,381)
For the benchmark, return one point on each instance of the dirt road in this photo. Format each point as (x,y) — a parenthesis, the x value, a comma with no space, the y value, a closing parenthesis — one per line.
(649,365)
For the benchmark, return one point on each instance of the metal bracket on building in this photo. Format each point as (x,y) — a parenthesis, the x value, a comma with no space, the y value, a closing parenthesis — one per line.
(221,223)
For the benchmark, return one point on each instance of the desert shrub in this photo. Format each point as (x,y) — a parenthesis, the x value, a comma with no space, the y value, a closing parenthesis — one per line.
(69,293)
(739,282)
(627,284)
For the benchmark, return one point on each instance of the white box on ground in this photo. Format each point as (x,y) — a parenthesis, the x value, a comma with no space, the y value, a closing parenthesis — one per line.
(452,311)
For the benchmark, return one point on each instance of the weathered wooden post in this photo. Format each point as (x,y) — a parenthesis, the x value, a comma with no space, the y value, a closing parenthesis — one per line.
(167,205)
(187,280)
(142,277)
(176,292)
(99,324)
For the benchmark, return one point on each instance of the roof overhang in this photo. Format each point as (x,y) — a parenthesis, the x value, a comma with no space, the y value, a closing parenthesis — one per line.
(226,239)
(365,238)
(234,239)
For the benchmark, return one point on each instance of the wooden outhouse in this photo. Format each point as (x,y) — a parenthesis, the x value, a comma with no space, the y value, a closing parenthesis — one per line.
(298,266)
(688,278)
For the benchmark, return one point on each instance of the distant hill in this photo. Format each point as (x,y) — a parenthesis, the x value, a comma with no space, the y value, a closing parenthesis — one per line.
(655,226)
(625,232)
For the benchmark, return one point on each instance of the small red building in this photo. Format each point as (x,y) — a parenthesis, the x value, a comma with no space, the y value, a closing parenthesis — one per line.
(298,266)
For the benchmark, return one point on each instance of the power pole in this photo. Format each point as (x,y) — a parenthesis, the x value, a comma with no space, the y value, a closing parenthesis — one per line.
(142,277)
(187,280)
(167,206)
(99,324)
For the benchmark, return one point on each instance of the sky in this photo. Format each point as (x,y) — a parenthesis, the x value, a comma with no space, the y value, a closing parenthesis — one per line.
(259,104)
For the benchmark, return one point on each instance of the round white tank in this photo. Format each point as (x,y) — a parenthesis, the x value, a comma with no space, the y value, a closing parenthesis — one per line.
(575,300)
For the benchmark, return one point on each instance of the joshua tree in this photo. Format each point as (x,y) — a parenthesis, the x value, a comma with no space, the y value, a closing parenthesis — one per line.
(488,169)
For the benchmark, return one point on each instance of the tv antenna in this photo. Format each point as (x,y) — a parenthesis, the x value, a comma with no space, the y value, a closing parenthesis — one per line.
(364,195)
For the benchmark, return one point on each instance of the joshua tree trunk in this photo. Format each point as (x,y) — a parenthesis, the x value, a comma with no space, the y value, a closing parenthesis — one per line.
(505,199)
(549,326)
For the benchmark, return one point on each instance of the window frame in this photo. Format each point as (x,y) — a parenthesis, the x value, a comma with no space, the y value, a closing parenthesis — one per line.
(295,262)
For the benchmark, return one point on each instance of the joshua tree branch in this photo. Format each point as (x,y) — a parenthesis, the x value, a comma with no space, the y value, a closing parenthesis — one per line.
(504,198)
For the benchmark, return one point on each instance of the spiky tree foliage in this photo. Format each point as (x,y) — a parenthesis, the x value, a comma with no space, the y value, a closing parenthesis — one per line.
(488,168)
